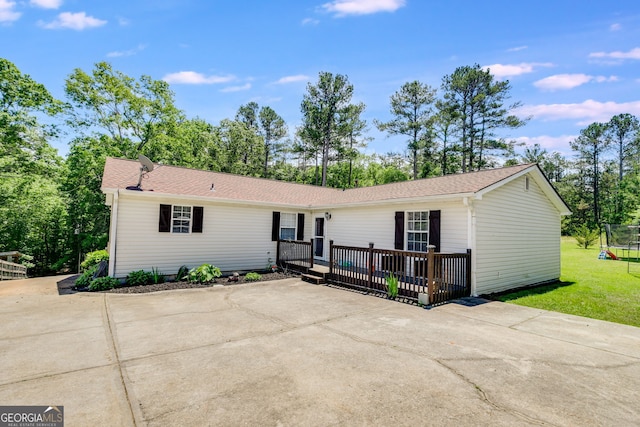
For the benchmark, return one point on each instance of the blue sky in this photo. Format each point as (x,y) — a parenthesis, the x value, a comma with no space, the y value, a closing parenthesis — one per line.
(569,62)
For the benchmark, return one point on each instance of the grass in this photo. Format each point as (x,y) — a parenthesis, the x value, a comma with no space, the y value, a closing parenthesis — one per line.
(588,287)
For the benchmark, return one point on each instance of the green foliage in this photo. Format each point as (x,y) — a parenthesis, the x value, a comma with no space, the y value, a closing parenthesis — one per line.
(183,272)
(86,277)
(586,237)
(94,258)
(412,117)
(156,276)
(392,285)
(139,278)
(204,274)
(252,277)
(103,284)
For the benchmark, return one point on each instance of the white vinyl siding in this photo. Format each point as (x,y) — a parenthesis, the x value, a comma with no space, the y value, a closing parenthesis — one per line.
(359,226)
(235,238)
(517,238)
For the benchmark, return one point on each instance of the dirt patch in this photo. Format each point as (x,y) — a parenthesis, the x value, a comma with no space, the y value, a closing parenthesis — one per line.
(189,285)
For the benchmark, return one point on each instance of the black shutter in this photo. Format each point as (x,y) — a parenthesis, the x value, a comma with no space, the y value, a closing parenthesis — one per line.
(300,232)
(198,214)
(275,227)
(164,224)
(434,229)
(399,240)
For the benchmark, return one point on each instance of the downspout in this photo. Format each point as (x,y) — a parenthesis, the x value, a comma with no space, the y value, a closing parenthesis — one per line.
(471,240)
(113,233)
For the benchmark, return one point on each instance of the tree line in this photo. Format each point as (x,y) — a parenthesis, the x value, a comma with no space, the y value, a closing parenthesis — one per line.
(52,208)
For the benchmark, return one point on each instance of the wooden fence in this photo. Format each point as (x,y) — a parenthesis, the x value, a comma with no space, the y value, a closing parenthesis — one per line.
(428,277)
(295,255)
(11,270)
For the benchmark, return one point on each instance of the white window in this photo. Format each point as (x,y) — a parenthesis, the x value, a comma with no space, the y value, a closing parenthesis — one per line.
(418,231)
(181,219)
(288,223)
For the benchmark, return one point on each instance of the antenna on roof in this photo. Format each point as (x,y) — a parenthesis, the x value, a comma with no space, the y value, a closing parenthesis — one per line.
(146,165)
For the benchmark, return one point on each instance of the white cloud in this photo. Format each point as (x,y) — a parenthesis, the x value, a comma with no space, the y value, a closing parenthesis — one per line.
(517,48)
(292,79)
(569,81)
(246,86)
(74,21)
(615,27)
(550,143)
(507,70)
(130,52)
(632,54)
(46,4)
(585,112)
(7,12)
(193,78)
(310,21)
(362,7)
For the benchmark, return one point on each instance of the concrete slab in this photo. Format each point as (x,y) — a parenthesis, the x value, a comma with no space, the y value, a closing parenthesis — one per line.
(290,353)
(35,286)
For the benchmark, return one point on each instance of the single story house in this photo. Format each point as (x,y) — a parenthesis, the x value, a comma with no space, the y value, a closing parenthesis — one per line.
(509,218)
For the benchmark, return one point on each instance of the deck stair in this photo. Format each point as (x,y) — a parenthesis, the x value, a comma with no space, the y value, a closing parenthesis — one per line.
(316,275)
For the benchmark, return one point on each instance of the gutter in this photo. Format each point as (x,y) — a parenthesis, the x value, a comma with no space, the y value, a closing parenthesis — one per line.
(113,233)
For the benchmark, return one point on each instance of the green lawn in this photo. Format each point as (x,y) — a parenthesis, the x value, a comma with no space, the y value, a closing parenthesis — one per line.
(588,287)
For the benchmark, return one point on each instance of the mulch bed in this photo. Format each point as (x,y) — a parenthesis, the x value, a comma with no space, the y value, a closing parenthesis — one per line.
(189,285)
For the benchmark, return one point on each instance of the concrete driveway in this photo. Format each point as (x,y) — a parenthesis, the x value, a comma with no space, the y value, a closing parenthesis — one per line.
(291,353)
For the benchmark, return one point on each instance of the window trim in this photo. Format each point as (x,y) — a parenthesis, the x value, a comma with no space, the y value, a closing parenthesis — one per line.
(408,230)
(167,219)
(295,225)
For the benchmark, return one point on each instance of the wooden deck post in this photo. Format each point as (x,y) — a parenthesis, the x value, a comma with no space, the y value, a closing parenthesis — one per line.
(370,265)
(277,253)
(430,273)
(331,258)
(468,268)
(311,260)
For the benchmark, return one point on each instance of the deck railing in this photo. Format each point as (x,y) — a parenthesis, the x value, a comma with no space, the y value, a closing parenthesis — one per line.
(295,255)
(429,277)
(11,270)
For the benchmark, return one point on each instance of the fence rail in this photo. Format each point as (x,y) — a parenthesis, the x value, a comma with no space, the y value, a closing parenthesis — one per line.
(295,255)
(432,277)
(11,270)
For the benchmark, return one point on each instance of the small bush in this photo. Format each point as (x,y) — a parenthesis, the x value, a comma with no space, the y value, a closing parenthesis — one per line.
(252,277)
(204,274)
(156,276)
(94,258)
(139,278)
(182,273)
(86,277)
(586,237)
(392,286)
(104,284)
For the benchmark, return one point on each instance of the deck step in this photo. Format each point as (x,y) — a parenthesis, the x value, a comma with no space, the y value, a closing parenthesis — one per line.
(312,278)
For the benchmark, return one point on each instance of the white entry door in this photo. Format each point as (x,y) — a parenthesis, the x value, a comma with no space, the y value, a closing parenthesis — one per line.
(318,238)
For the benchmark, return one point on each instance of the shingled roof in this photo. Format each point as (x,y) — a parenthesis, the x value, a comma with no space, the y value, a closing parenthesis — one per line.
(172,180)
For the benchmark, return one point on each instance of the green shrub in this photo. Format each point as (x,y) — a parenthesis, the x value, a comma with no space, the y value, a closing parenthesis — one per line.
(86,277)
(182,273)
(139,278)
(252,277)
(156,276)
(103,284)
(94,258)
(586,237)
(204,274)
(392,286)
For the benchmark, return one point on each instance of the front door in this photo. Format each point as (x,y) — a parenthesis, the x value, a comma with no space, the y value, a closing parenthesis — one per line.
(318,239)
